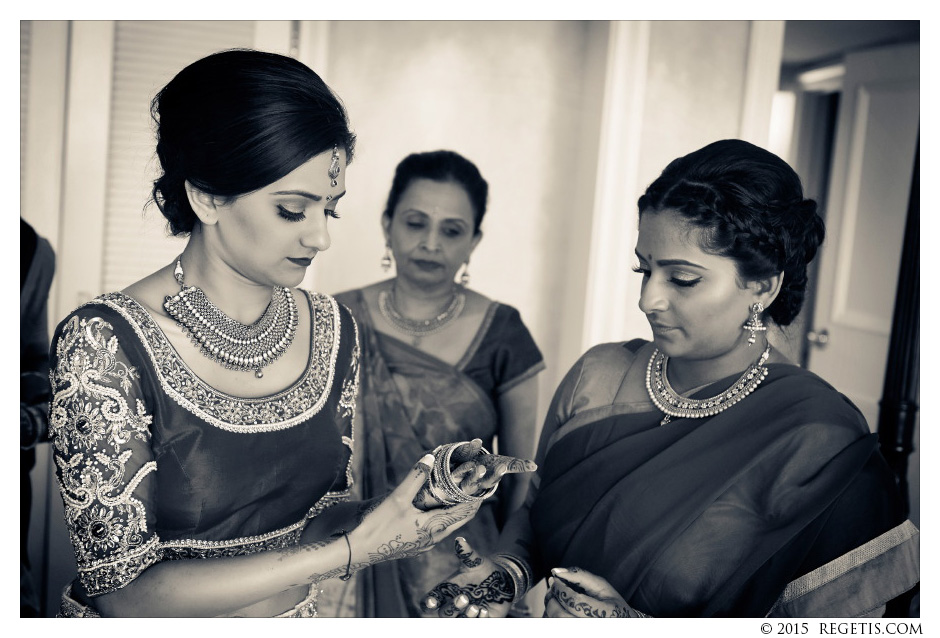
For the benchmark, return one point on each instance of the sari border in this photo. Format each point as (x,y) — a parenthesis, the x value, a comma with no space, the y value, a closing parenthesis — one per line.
(477,341)
(898,547)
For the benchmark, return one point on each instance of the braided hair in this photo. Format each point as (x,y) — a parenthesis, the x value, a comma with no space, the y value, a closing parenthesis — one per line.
(749,206)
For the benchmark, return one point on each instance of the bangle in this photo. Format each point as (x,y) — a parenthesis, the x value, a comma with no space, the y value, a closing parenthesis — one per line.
(518,571)
(347,575)
(441,482)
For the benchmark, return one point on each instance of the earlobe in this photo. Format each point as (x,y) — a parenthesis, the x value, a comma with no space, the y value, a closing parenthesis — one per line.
(203,204)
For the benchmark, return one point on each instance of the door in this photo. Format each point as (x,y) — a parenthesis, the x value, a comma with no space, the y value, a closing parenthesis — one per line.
(873,160)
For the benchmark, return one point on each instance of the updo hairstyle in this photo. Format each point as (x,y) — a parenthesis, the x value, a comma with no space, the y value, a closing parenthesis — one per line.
(440,166)
(749,206)
(236,121)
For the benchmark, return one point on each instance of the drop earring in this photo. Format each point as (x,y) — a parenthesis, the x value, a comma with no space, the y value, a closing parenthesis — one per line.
(754,324)
(386,262)
(465,275)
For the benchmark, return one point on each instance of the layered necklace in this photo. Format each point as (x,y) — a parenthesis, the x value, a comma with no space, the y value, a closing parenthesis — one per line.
(232,344)
(676,405)
(418,329)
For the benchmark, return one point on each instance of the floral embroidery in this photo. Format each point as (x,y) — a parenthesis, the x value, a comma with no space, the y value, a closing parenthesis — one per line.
(91,423)
(236,414)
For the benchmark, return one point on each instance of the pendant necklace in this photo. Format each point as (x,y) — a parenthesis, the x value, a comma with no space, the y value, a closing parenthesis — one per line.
(418,329)
(675,405)
(232,344)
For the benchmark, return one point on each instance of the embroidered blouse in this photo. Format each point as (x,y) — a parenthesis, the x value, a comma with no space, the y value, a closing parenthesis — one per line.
(154,464)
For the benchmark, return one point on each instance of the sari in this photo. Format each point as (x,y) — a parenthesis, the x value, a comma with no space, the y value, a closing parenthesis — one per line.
(780,505)
(410,403)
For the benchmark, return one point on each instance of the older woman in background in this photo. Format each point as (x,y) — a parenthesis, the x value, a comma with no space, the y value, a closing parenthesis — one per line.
(440,363)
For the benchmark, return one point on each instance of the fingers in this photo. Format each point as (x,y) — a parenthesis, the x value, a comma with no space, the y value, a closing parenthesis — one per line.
(467,556)
(585,581)
(408,489)
(467,451)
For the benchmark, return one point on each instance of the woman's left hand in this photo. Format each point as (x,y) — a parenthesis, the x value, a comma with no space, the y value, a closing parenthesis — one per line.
(576,593)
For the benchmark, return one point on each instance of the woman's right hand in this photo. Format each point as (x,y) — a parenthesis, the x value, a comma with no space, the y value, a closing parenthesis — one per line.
(478,589)
(394,528)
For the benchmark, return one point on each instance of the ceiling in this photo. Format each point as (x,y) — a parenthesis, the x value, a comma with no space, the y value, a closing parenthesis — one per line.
(809,43)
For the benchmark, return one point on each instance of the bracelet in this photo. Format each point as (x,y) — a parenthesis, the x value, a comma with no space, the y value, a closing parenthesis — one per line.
(348,574)
(441,483)
(518,571)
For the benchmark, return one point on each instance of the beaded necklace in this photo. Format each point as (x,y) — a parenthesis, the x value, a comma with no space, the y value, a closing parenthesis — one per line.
(418,329)
(676,405)
(234,345)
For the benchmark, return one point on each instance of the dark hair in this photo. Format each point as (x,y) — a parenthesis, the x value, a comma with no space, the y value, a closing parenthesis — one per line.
(440,166)
(236,121)
(749,204)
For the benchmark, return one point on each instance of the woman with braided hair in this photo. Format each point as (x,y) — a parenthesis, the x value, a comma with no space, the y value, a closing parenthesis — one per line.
(702,473)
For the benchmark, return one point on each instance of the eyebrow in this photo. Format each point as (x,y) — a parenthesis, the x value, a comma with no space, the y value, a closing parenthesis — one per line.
(309,196)
(672,262)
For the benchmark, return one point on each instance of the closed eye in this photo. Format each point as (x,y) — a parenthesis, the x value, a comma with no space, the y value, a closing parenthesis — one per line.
(290,215)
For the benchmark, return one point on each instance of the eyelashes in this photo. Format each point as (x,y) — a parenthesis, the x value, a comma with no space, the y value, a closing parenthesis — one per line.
(682,283)
(294,216)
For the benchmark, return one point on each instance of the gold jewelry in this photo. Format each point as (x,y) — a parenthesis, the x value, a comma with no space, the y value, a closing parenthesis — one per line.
(386,261)
(334,166)
(465,275)
(754,324)
(676,405)
(418,329)
(232,344)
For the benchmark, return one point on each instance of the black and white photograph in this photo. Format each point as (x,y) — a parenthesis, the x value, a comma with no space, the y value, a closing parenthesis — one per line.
(429,318)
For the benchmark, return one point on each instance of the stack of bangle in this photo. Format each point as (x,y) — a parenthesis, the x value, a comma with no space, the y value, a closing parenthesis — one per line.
(441,483)
(518,571)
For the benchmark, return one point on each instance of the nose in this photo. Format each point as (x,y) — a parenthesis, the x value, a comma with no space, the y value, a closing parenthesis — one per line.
(431,240)
(652,297)
(315,234)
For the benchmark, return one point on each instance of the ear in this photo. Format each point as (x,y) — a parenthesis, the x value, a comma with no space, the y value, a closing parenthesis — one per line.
(386,228)
(203,204)
(766,290)
(476,240)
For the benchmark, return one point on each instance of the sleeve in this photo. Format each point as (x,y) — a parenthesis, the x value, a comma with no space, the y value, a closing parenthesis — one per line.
(349,393)
(100,430)
(517,356)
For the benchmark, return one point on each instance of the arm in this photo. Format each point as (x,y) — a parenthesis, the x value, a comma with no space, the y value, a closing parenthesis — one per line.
(517,411)
(394,529)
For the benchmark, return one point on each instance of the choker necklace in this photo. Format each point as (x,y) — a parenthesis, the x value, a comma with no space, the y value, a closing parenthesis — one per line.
(676,405)
(232,344)
(417,329)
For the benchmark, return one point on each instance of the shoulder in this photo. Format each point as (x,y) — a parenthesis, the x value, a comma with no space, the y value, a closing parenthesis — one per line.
(603,376)
(112,312)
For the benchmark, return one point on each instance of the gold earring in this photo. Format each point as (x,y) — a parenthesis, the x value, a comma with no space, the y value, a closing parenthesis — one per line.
(754,324)
(465,275)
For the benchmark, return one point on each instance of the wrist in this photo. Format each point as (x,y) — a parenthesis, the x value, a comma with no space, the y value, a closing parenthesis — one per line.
(518,571)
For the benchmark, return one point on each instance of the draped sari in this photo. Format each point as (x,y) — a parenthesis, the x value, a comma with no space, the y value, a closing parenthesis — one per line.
(716,516)
(410,403)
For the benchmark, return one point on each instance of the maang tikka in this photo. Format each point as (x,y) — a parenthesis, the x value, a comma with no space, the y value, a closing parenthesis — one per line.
(334,166)
(754,324)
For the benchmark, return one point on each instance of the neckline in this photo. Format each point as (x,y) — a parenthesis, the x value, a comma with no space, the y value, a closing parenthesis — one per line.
(155,326)
(465,358)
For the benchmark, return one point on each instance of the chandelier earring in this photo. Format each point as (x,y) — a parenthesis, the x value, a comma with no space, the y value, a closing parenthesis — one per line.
(386,262)
(465,275)
(754,324)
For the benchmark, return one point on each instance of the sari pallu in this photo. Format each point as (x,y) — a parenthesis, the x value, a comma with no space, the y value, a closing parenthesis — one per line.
(715,516)
(411,402)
